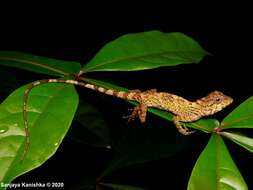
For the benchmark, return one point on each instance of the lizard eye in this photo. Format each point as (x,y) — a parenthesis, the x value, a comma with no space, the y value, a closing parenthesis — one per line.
(217,99)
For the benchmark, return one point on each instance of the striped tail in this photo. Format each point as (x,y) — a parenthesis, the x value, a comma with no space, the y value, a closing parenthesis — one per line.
(132,95)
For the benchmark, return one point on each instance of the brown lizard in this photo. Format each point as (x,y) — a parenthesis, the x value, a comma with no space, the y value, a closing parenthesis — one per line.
(183,110)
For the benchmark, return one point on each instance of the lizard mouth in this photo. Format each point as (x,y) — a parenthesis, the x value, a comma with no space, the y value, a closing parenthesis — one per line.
(230,100)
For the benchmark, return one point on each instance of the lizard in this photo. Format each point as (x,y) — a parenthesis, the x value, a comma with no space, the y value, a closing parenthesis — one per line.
(182,109)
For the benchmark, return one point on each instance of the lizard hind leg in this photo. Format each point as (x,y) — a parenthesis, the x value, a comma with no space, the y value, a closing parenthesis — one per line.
(139,111)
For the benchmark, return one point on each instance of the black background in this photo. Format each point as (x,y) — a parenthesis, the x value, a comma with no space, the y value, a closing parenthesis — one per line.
(78,32)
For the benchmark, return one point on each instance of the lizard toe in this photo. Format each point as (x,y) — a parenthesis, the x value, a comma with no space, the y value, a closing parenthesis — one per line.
(185,131)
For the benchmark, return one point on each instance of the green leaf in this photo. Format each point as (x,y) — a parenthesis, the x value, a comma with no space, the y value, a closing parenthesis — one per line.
(215,169)
(206,125)
(120,187)
(51,108)
(146,50)
(241,117)
(239,139)
(38,64)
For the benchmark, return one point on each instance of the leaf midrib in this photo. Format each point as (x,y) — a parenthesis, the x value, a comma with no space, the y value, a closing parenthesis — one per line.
(217,159)
(35,64)
(125,58)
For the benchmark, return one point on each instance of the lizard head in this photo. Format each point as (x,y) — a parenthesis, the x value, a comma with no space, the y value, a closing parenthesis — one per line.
(214,102)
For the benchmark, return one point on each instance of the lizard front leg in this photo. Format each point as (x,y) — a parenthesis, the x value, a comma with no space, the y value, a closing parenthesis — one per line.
(183,130)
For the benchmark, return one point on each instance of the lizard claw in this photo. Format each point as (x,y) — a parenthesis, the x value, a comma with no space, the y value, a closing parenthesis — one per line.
(132,115)
(139,111)
(128,117)
(185,131)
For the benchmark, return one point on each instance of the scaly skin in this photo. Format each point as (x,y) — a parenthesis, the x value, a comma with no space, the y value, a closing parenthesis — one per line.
(183,110)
